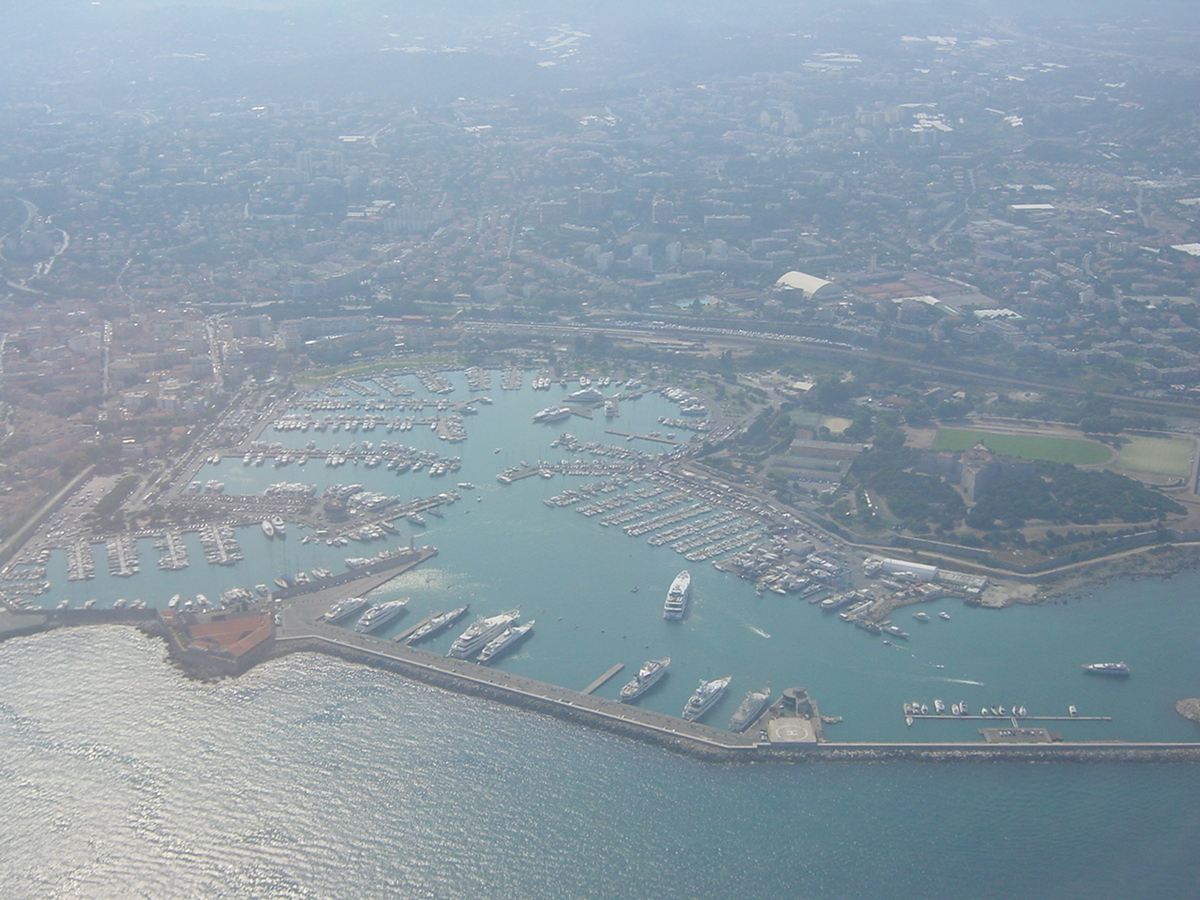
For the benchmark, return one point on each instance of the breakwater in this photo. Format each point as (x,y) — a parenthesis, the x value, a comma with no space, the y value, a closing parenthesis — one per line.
(697,741)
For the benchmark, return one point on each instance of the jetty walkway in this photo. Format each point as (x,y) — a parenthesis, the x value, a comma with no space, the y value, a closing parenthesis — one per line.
(299,631)
(298,626)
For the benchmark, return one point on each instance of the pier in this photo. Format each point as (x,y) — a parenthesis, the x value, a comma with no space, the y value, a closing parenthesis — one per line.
(508,476)
(603,678)
(629,435)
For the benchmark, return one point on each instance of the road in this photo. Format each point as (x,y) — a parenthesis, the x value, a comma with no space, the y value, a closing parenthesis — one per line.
(820,346)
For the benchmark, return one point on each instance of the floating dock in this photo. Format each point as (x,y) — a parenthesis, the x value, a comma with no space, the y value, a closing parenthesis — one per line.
(603,678)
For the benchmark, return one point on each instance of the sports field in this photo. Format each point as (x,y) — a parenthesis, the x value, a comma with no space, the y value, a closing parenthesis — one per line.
(813,420)
(1024,446)
(1156,456)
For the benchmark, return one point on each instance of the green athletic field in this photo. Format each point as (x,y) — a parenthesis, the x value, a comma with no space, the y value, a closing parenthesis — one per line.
(1156,456)
(1024,446)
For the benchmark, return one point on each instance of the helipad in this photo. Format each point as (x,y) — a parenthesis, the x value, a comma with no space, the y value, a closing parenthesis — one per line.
(791,731)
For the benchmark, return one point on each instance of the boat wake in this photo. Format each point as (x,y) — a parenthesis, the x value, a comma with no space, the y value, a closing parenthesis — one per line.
(758,631)
(958,680)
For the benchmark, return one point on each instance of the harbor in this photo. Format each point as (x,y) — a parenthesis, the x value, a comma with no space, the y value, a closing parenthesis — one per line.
(760,580)
(694,739)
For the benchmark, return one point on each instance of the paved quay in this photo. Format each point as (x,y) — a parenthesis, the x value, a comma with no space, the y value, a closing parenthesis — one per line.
(299,632)
(466,675)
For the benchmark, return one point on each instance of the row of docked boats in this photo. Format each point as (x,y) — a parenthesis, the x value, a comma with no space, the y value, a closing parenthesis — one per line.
(490,637)
(703,699)
(917,708)
(375,617)
(274,526)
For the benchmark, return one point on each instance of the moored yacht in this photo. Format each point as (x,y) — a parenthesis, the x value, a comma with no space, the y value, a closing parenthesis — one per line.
(437,624)
(552,414)
(343,610)
(505,641)
(480,632)
(751,708)
(648,675)
(378,616)
(705,696)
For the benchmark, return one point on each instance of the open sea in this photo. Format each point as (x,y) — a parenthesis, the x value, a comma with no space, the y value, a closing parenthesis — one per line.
(312,778)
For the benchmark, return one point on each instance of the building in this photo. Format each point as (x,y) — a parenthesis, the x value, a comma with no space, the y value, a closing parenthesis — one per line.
(810,287)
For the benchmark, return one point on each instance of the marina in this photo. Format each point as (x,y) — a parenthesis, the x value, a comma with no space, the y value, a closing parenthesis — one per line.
(751,619)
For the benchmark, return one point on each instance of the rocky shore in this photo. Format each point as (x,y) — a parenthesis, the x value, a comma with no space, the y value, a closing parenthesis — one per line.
(1162,562)
(1189,709)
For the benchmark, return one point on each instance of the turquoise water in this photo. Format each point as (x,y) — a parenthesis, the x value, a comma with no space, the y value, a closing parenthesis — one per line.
(312,778)
(501,547)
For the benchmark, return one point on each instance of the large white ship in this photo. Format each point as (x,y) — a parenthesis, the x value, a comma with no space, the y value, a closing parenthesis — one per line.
(552,414)
(648,675)
(378,616)
(498,646)
(704,697)
(750,709)
(480,632)
(436,624)
(677,596)
(343,609)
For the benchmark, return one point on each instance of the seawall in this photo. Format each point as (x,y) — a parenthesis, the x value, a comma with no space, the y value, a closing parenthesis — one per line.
(714,745)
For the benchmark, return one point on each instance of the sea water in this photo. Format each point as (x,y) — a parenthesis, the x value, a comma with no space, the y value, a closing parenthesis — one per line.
(596,594)
(310,777)
(313,778)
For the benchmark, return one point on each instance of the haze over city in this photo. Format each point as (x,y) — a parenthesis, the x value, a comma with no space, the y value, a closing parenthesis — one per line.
(362,364)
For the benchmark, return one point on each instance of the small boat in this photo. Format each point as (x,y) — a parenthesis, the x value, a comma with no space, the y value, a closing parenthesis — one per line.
(945,615)
(939,707)
(1107,668)
(1071,710)
(955,709)
(921,617)
(908,720)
